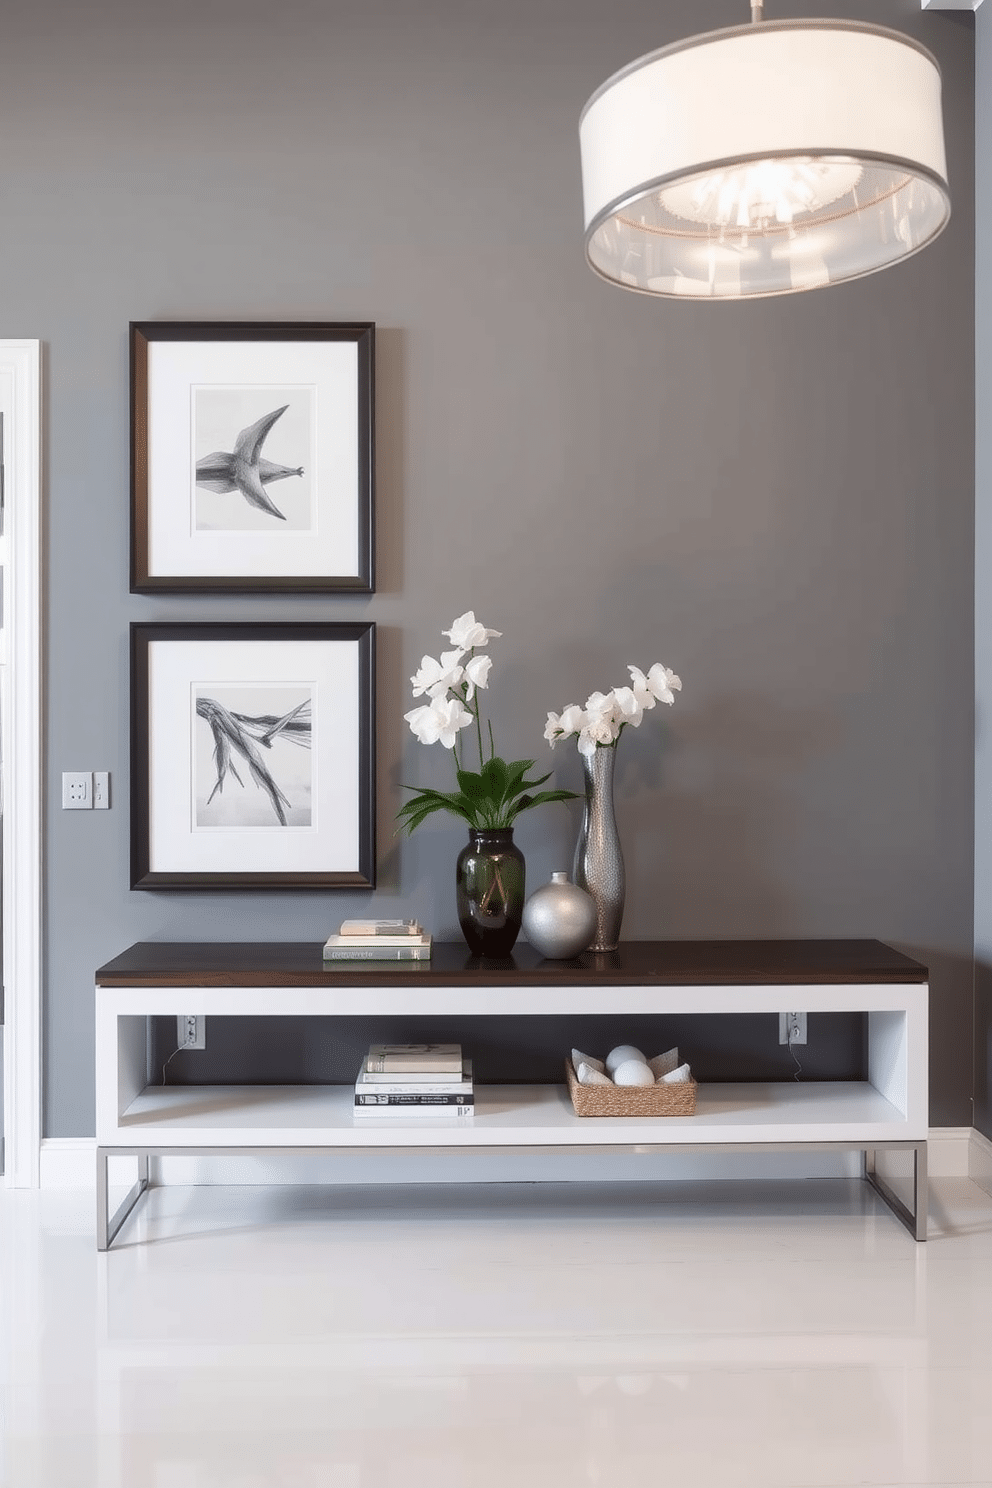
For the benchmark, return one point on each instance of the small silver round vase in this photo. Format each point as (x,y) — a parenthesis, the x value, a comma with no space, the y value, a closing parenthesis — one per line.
(560,919)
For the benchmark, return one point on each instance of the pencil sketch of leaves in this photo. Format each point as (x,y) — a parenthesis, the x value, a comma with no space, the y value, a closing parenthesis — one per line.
(243,468)
(241,733)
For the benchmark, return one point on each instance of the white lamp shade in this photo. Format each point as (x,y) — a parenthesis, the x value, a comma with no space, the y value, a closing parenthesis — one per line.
(764,159)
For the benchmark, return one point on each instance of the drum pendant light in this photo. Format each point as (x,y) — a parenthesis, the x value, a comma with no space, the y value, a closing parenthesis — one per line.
(764,159)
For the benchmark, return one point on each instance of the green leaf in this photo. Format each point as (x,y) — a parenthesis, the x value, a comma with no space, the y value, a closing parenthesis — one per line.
(527,785)
(494,774)
(428,801)
(516,778)
(439,800)
(526,803)
(416,818)
(493,797)
(473,786)
(424,790)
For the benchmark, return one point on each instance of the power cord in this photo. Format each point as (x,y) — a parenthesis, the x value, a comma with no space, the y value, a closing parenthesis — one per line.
(169,1061)
(792,1035)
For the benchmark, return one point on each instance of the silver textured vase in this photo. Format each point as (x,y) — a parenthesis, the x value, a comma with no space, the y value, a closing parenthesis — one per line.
(598,856)
(560,919)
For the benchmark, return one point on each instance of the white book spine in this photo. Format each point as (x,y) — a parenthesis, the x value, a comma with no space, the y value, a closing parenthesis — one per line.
(378,953)
(439,1069)
(418,1088)
(380,927)
(414,1084)
(351,942)
(416,1051)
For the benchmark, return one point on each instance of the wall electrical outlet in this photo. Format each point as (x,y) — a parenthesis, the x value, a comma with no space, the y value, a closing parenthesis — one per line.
(77,790)
(191,1031)
(84,790)
(792,1028)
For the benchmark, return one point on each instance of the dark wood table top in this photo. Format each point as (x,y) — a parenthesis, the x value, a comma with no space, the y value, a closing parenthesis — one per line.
(742,963)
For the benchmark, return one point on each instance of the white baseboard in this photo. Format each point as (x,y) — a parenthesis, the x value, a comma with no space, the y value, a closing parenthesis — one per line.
(981,1161)
(949,1151)
(70,1163)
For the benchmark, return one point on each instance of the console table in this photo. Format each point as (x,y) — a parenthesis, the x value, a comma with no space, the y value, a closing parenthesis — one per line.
(140,1117)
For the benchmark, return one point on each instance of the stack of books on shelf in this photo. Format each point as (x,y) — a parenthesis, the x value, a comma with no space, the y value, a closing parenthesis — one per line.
(378,940)
(415,1082)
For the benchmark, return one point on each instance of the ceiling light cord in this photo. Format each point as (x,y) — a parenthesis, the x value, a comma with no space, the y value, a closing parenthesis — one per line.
(757,11)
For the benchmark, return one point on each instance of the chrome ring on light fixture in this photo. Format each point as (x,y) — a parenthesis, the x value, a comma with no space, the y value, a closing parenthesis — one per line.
(764,159)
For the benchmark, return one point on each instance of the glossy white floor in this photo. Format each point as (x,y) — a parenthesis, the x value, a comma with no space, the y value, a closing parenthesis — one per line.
(497,1337)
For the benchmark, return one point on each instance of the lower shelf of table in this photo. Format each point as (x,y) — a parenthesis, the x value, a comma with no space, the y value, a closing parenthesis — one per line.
(506,1115)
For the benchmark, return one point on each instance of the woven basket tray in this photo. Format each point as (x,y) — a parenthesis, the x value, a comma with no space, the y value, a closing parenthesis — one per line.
(630,1100)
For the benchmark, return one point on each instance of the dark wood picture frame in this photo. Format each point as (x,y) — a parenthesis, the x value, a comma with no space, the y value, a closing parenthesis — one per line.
(326,371)
(181,739)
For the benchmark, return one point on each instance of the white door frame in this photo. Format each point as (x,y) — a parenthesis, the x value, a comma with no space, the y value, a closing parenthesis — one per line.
(20,649)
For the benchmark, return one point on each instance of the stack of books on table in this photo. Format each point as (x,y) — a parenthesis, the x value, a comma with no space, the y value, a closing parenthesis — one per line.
(378,940)
(413,1083)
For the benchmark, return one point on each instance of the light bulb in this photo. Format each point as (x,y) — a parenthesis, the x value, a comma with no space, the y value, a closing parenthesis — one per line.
(761,194)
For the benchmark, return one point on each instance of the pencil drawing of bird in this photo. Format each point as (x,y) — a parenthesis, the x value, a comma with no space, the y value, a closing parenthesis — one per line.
(244,469)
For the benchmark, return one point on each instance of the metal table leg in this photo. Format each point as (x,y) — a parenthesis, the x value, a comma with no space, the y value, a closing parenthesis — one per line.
(914,1219)
(107,1227)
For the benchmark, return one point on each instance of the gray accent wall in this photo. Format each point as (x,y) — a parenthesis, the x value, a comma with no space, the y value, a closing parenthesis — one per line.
(775,499)
(983,567)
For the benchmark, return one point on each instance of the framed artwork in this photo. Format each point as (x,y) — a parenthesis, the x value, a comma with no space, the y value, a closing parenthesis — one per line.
(251,457)
(252,756)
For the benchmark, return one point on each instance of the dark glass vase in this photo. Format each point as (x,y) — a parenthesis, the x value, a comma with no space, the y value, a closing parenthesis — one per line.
(490,890)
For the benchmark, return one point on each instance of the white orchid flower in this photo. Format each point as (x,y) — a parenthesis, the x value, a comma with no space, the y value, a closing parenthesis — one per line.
(597,723)
(555,728)
(467,632)
(661,680)
(419,720)
(439,721)
(601,728)
(628,706)
(600,705)
(560,726)
(437,677)
(642,689)
(587,744)
(606,714)
(476,673)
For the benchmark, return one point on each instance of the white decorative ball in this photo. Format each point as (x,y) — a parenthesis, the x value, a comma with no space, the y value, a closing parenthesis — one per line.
(620,1055)
(632,1072)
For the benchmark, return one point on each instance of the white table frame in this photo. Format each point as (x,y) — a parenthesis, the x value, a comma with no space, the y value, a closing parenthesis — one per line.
(887,1112)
